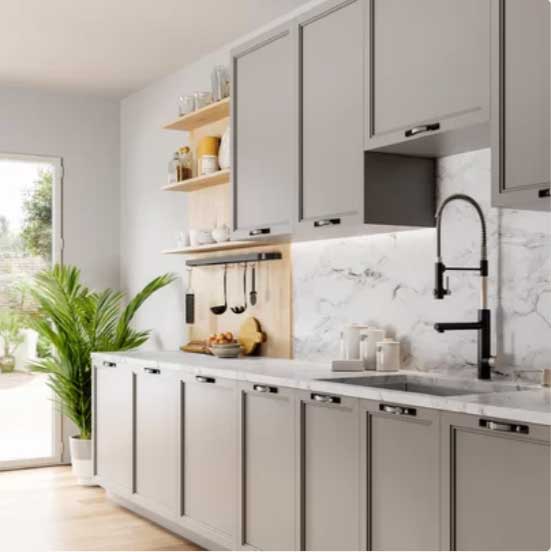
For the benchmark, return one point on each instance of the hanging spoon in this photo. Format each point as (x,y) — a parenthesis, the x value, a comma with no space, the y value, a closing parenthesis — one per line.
(221,309)
(239,310)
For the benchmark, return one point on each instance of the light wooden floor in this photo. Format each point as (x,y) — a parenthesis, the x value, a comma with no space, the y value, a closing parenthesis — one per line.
(44,509)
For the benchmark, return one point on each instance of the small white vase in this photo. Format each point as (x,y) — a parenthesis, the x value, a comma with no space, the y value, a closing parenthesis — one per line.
(81,460)
(224,153)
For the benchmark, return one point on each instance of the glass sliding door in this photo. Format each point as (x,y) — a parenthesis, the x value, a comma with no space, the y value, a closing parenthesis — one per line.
(30,241)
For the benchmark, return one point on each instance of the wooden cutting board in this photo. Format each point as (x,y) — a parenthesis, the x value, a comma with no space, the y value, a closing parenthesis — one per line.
(251,335)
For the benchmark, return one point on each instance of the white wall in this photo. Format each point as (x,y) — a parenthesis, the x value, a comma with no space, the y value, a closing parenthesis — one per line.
(84,132)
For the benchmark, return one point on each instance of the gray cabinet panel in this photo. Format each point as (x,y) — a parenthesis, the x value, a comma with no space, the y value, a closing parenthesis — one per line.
(331,100)
(330,474)
(403,468)
(264,134)
(210,455)
(428,63)
(495,490)
(113,426)
(521,110)
(268,467)
(157,440)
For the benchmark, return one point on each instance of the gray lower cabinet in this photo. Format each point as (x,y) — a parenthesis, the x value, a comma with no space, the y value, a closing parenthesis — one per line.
(209,458)
(113,425)
(402,466)
(331,106)
(329,437)
(264,134)
(495,484)
(521,109)
(157,440)
(268,467)
(428,67)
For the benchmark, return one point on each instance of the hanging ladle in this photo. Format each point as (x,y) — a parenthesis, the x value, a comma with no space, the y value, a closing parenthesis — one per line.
(221,309)
(239,310)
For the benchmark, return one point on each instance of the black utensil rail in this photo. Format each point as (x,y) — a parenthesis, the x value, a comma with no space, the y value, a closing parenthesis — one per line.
(236,259)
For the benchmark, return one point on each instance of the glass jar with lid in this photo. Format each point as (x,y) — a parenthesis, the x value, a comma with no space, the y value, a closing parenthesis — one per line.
(185,163)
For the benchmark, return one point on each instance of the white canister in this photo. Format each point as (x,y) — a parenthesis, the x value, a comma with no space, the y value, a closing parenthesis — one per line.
(388,355)
(208,164)
(368,346)
(350,341)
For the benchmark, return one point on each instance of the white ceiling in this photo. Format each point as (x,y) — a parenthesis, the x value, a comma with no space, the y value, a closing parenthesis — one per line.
(114,47)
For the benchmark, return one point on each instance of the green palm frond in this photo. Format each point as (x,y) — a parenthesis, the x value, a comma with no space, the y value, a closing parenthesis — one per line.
(77,322)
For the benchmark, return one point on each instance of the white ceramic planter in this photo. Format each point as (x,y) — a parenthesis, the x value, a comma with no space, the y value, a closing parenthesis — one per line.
(81,459)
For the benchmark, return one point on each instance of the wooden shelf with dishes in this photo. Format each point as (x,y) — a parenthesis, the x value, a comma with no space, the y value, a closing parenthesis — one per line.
(211,248)
(199,182)
(205,116)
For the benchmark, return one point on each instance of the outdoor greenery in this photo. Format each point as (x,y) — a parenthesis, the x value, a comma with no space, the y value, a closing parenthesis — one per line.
(76,322)
(37,227)
(11,324)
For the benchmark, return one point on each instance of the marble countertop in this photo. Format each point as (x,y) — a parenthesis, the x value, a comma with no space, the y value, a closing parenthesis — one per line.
(516,402)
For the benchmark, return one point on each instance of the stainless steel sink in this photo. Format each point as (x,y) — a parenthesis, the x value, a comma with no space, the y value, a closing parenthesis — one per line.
(426,385)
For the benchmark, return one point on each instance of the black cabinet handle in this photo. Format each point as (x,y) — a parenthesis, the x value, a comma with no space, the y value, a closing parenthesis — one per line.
(108,364)
(422,129)
(264,389)
(546,192)
(504,427)
(204,379)
(153,371)
(259,231)
(397,410)
(325,399)
(327,222)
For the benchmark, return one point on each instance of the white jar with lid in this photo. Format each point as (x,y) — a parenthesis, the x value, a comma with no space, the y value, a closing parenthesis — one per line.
(388,355)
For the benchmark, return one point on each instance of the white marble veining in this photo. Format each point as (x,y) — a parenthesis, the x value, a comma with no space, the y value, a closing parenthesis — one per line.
(387,281)
(503,400)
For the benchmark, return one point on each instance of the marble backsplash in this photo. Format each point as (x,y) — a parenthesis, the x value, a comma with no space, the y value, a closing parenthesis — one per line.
(387,281)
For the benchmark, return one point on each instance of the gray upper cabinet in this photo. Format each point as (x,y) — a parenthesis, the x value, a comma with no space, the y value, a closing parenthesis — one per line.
(113,426)
(268,468)
(403,474)
(495,484)
(521,111)
(264,134)
(331,107)
(209,463)
(157,440)
(330,472)
(428,75)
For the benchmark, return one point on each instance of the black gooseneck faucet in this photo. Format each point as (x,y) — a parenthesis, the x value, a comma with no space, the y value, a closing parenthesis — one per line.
(483,325)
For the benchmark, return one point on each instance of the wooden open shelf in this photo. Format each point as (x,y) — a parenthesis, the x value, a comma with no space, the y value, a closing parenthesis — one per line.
(212,247)
(204,116)
(199,182)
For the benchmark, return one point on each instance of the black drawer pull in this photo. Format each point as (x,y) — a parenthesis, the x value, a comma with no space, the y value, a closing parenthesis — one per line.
(327,222)
(153,371)
(546,192)
(422,129)
(397,410)
(504,427)
(325,399)
(204,379)
(108,364)
(259,231)
(264,389)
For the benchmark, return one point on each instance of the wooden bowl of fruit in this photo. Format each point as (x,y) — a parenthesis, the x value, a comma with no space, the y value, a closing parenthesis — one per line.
(224,345)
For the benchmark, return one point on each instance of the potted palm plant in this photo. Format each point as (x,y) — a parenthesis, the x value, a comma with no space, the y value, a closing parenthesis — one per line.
(11,324)
(77,321)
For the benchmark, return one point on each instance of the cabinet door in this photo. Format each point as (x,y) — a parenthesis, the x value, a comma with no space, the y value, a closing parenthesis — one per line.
(495,491)
(428,69)
(157,440)
(268,467)
(264,134)
(209,466)
(331,111)
(403,469)
(113,426)
(521,107)
(330,474)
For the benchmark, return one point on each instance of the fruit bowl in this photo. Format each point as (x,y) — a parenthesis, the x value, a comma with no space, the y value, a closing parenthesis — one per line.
(226,350)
